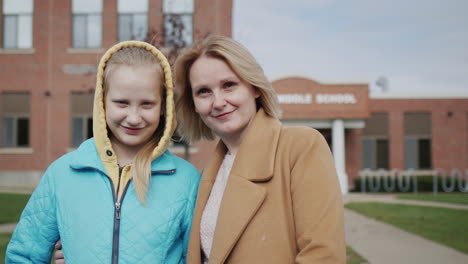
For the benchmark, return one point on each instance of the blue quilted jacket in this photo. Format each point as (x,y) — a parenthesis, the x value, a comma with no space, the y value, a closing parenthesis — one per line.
(75,201)
(91,205)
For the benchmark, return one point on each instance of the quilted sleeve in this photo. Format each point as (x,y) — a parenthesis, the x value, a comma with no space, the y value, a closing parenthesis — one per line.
(317,204)
(190,207)
(36,233)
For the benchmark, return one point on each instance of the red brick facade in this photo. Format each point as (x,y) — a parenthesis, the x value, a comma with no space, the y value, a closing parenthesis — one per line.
(41,70)
(449,129)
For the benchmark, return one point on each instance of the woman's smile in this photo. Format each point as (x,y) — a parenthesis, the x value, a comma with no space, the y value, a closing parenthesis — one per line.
(224,116)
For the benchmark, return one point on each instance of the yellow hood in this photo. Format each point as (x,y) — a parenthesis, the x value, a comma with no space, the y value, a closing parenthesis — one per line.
(103,144)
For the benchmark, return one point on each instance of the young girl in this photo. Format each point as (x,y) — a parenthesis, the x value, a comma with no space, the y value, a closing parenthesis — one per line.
(121,197)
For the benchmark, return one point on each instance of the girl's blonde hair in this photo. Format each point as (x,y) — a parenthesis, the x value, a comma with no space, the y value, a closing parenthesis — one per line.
(138,56)
(240,60)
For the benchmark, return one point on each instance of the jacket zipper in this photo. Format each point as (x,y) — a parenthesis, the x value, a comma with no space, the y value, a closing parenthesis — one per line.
(116,230)
(117,216)
(118,207)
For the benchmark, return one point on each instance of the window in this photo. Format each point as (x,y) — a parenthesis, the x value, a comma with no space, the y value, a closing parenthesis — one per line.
(14,109)
(375,153)
(17,24)
(81,118)
(418,153)
(375,148)
(82,129)
(133,19)
(87,23)
(178,15)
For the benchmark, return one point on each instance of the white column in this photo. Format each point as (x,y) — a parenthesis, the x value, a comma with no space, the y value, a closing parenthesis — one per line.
(338,147)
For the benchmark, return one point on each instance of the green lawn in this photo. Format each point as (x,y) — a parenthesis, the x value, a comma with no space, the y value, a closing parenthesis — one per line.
(443,225)
(456,198)
(353,258)
(4,238)
(11,206)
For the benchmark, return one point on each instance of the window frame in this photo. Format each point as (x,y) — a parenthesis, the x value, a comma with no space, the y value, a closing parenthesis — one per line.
(376,129)
(15,133)
(417,126)
(17,42)
(375,151)
(132,15)
(84,120)
(187,42)
(86,31)
(418,138)
(169,9)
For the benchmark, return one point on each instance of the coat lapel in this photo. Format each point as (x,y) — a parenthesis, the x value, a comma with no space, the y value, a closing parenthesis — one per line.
(243,196)
(204,189)
(240,203)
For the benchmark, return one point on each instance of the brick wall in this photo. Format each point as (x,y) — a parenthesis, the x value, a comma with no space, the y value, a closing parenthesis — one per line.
(449,129)
(42,71)
(353,154)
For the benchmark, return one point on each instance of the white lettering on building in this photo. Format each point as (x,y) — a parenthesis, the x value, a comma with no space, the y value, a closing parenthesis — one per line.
(345,98)
(342,98)
(295,98)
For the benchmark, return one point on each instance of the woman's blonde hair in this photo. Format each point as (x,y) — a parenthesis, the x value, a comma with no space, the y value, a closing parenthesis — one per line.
(138,56)
(240,60)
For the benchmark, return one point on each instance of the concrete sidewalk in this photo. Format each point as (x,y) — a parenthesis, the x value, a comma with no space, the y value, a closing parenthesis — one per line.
(16,189)
(381,243)
(7,228)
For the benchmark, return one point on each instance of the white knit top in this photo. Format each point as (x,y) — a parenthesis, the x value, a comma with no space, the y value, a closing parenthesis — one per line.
(210,213)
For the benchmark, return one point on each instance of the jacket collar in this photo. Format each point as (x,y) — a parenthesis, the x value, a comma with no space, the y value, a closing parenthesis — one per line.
(259,145)
(86,156)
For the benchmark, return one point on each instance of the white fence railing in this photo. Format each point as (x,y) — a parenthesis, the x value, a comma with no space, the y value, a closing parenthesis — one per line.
(407,180)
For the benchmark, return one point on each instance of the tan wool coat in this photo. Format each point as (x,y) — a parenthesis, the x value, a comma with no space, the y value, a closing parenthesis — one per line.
(282,202)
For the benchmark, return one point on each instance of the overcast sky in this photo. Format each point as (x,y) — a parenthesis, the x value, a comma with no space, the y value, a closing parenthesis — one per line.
(420,46)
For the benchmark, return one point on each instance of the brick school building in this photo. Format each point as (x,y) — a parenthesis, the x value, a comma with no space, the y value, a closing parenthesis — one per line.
(48,56)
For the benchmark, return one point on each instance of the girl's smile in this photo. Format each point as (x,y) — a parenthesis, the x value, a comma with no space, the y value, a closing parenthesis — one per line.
(132,131)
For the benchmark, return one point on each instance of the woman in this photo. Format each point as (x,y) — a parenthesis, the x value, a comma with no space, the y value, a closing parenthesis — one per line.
(121,197)
(270,193)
